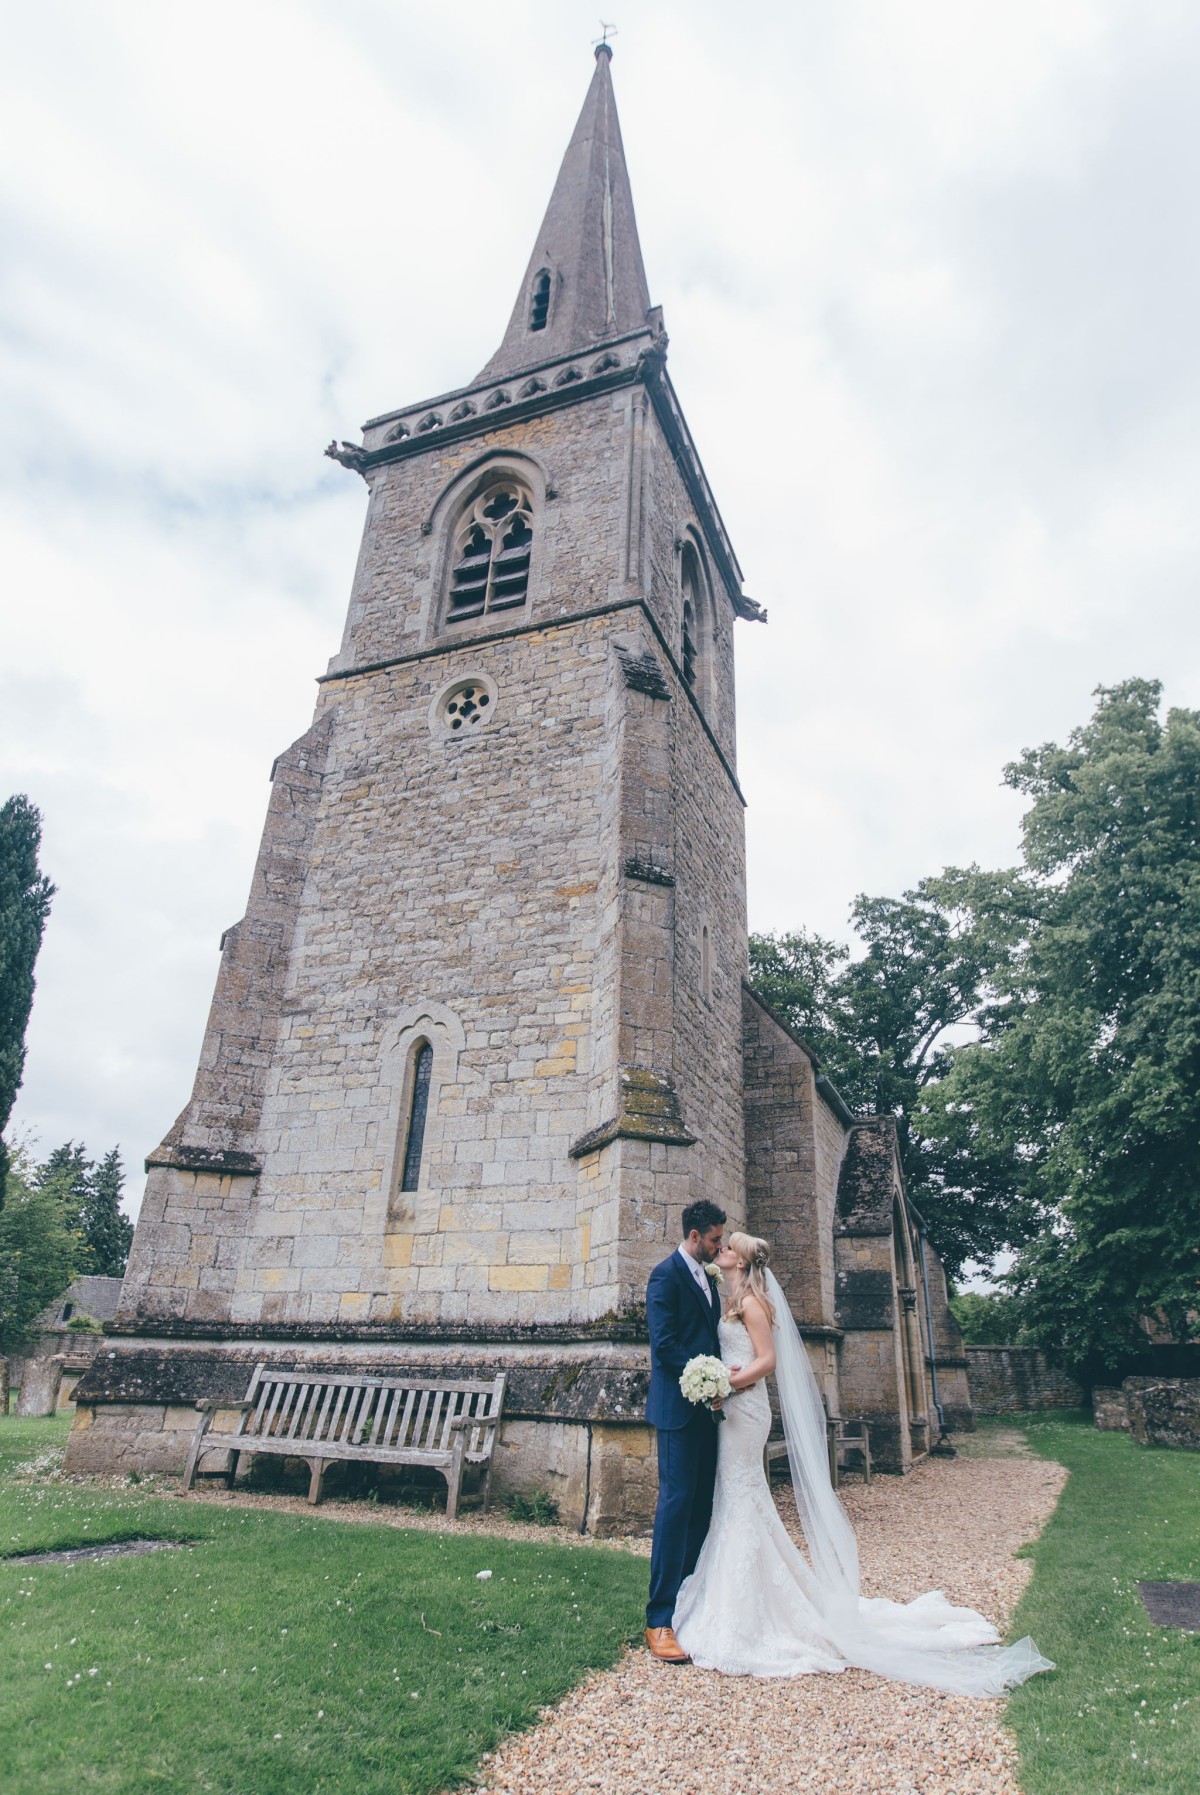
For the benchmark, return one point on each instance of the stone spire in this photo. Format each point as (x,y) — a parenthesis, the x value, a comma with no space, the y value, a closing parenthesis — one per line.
(587,247)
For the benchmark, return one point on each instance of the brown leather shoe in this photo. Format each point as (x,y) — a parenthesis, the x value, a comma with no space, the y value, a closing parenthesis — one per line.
(664,1646)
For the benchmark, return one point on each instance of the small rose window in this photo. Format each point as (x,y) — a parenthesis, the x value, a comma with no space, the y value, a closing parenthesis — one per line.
(465,707)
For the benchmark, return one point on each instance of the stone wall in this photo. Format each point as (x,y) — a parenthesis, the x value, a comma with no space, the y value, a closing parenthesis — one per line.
(573,1422)
(555,902)
(789,1190)
(1018,1379)
(1164,1411)
(1109,1410)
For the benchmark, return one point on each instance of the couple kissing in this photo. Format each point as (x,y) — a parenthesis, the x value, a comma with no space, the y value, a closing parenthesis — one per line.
(729,1588)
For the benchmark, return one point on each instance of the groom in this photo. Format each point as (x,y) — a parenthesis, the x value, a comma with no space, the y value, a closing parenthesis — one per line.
(683,1307)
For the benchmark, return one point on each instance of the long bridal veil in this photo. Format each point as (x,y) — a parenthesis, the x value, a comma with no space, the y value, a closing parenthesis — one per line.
(926,1641)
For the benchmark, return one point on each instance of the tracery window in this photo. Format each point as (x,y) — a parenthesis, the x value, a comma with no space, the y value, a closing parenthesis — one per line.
(490,568)
(418,1109)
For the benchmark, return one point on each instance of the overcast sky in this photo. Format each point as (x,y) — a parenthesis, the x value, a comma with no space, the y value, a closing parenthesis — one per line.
(932,277)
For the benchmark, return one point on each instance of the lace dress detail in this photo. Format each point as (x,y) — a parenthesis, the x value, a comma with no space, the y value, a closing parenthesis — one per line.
(747,1608)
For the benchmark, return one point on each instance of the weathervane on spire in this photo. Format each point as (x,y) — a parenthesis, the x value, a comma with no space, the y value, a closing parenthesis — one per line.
(602,43)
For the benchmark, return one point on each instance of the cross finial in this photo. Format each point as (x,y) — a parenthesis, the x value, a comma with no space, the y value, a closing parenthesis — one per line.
(601,44)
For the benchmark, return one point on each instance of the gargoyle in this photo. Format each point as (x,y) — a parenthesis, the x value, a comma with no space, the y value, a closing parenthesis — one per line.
(350,455)
(653,359)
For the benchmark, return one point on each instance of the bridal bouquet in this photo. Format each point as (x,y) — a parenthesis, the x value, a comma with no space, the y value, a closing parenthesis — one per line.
(705,1380)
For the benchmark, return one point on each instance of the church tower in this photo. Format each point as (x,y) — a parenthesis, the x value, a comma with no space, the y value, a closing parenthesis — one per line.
(477,1038)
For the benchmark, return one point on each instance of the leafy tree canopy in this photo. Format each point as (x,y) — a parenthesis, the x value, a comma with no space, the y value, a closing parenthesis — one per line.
(987,1320)
(62,1221)
(1087,1074)
(39,1252)
(881,1027)
(89,1192)
(1037,1033)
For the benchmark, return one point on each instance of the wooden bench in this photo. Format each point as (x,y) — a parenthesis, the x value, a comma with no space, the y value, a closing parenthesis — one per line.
(346,1419)
(841,1437)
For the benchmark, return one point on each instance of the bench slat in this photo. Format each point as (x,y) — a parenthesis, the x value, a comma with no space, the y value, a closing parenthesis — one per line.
(335,1414)
(418,1432)
(402,1430)
(385,1430)
(296,1425)
(268,1423)
(318,1428)
(320,1379)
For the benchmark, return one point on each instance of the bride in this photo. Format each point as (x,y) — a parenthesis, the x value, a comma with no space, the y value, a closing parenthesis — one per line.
(754,1606)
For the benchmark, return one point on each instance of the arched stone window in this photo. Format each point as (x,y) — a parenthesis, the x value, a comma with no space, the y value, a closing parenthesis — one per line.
(696,632)
(539,300)
(491,551)
(418,1110)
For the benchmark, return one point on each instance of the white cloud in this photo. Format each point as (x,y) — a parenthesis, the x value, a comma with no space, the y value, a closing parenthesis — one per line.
(929,276)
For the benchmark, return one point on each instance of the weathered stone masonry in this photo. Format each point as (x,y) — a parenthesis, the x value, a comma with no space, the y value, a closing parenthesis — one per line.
(547,891)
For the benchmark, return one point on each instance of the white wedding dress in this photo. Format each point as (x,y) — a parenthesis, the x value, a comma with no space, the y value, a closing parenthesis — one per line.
(754,1606)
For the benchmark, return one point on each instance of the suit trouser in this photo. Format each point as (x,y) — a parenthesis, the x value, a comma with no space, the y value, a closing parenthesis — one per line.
(687,1471)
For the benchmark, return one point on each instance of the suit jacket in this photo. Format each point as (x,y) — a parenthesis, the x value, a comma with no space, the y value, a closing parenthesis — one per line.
(682,1324)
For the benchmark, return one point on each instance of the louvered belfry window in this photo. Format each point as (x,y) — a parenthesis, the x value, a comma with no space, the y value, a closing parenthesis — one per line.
(490,570)
(539,301)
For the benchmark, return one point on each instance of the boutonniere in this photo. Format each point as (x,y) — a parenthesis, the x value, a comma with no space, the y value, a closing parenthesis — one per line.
(717,1275)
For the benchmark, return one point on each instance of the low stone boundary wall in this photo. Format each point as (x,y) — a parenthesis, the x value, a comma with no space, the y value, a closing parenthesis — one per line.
(1164,1412)
(1109,1409)
(1009,1380)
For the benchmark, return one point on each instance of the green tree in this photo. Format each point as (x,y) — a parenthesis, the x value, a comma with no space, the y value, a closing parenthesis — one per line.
(1037,1034)
(24,906)
(1087,1075)
(39,1253)
(108,1233)
(89,1194)
(796,974)
(987,1320)
(881,1027)
(67,1173)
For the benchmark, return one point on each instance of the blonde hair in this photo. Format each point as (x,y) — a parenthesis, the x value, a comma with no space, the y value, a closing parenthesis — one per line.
(753,1254)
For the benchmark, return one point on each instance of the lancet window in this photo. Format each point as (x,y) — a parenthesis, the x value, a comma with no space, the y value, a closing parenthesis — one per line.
(693,615)
(418,1110)
(490,566)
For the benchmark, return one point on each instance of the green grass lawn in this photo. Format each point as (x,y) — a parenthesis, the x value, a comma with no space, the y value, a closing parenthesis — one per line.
(276,1652)
(1122,1712)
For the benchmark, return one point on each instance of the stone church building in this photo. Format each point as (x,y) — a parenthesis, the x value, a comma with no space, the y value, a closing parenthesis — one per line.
(484,1027)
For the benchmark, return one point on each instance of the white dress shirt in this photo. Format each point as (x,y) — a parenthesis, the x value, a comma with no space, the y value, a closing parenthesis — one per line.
(698,1272)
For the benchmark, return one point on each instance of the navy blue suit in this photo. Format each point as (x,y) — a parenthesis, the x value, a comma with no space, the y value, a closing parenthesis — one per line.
(683,1324)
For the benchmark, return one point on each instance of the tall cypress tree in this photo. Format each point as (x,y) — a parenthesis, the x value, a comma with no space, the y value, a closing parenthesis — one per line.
(24,906)
(109,1233)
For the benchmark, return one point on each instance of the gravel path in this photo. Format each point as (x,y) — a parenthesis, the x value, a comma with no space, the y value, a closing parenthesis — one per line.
(643,1727)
